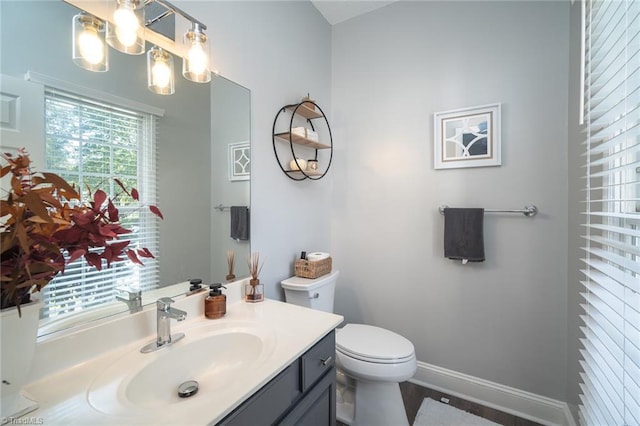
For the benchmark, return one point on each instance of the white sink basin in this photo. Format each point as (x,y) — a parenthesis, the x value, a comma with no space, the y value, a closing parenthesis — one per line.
(138,383)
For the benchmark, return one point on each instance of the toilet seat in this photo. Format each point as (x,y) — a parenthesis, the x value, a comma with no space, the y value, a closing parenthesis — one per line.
(366,352)
(373,344)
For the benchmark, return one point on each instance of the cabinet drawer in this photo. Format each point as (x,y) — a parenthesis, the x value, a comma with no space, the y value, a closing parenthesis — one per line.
(318,360)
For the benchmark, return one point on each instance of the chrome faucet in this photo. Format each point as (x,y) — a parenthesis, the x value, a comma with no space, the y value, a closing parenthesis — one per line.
(131,296)
(165,313)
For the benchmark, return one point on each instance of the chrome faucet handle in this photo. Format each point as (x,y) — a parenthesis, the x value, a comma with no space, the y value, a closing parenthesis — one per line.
(164,303)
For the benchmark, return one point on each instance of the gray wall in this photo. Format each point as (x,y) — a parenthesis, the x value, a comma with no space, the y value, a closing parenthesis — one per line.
(505,319)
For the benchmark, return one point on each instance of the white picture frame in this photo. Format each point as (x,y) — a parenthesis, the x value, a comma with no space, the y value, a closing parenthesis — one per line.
(239,161)
(467,137)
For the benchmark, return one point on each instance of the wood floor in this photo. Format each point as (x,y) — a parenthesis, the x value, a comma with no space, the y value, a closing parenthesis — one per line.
(413,395)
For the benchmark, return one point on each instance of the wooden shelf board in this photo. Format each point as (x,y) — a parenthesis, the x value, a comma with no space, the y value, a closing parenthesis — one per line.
(306,112)
(307,172)
(299,140)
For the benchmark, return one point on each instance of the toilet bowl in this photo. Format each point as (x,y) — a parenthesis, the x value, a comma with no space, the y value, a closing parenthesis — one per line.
(370,361)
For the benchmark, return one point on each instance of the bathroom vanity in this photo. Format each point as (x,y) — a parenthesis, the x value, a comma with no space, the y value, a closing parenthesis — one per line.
(261,363)
(304,393)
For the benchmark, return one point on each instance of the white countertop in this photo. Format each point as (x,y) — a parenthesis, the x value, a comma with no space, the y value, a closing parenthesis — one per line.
(63,395)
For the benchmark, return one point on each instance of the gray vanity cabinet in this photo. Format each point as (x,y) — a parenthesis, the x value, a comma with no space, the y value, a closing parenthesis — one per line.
(303,394)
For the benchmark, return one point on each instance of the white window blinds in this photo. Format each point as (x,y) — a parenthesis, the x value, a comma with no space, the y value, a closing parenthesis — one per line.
(610,388)
(89,143)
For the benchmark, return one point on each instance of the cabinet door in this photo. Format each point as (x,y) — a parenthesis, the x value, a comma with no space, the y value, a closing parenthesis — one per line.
(318,407)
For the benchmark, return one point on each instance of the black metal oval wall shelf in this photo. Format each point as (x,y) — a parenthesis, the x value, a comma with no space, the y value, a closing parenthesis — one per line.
(301,109)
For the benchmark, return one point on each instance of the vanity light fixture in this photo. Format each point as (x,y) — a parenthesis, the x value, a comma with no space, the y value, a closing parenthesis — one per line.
(89,50)
(160,75)
(126,33)
(195,65)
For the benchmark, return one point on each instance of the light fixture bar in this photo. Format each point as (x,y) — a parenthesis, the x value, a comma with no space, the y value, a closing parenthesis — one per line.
(159,17)
(177,10)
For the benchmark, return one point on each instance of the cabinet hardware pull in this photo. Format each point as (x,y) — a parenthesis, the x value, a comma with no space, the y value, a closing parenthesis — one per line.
(326,361)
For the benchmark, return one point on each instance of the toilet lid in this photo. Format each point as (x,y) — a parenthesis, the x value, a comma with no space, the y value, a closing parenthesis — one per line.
(307,284)
(372,343)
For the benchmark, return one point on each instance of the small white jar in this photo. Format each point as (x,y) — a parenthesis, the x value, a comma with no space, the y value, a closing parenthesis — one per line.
(301,164)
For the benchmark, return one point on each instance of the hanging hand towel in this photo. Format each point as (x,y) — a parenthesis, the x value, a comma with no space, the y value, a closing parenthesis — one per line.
(463,234)
(240,223)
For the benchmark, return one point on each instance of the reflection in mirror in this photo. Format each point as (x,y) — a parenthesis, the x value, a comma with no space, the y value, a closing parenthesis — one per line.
(199,129)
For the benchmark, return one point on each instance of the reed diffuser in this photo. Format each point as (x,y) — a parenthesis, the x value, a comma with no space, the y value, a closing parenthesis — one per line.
(230,263)
(254,291)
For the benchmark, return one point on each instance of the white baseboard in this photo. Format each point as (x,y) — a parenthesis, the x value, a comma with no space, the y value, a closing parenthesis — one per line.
(514,401)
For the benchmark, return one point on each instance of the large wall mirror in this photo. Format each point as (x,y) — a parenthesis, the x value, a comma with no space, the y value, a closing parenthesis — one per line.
(201,129)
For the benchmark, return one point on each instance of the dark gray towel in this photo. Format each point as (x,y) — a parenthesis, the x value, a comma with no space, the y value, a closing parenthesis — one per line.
(463,234)
(239,222)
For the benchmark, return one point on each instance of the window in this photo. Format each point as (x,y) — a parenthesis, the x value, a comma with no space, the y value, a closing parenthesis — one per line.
(610,388)
(89,143)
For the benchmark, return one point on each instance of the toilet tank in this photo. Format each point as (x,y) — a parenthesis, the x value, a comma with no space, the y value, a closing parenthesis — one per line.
(316,293)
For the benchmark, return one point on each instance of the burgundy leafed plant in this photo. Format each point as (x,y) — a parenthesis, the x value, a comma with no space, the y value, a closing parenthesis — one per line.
(43,220)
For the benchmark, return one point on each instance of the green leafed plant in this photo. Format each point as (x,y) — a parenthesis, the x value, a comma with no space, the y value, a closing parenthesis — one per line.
(45,227)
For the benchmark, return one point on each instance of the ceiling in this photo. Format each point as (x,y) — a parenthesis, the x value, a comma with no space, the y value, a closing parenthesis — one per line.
(336,11)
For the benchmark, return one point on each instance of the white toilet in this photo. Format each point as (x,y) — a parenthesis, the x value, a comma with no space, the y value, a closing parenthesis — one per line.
(371,361)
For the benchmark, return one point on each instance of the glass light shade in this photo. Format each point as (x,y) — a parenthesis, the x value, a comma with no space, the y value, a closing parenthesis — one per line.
(126,33)
(160,75)
(195,64)
(89,50)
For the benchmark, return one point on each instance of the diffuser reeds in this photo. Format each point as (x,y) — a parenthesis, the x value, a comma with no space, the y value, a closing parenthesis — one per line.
(254,265)
(231,255)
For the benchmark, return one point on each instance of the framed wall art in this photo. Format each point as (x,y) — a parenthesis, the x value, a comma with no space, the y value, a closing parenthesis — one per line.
(467,137)
(239,161)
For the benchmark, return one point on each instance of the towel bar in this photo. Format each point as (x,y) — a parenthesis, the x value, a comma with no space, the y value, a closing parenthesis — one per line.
(528,211)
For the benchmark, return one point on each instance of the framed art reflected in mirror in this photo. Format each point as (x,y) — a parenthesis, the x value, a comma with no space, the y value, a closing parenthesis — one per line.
(467,137)
(239,161)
